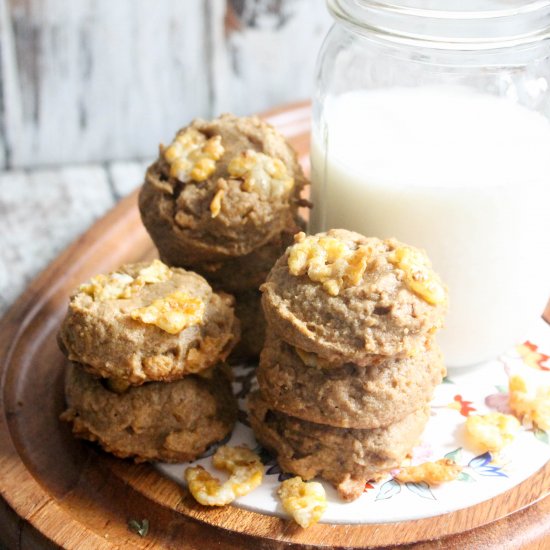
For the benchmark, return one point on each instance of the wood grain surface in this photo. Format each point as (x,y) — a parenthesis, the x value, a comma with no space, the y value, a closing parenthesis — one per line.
(60,491)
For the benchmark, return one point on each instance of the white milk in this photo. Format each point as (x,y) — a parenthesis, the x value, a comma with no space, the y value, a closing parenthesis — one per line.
(465,176)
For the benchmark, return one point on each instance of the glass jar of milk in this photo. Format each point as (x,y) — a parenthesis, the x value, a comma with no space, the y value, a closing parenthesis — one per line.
(431,125)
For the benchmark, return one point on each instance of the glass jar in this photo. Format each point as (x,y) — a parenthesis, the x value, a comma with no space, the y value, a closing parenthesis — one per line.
(431,125)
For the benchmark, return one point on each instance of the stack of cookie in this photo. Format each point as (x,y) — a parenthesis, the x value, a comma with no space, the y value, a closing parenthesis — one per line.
(350,364)
(146,380)
(222,199)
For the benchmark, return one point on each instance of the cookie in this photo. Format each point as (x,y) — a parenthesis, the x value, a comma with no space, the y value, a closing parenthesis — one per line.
(346,297)
(247,273)
(248,309)
(173,422)
(301,384)
(348,458)
(148,322)
(222,189)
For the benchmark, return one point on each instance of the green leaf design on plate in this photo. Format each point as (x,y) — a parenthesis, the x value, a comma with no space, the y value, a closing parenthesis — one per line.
(422,489)
(455,455)
(463,476)
(541,435)
(501,389)
(140,528)
(388,490)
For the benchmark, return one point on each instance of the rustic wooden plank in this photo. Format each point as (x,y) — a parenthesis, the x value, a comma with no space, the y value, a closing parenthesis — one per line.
(10,119)
(264,52)
(42,212)
(4,18)
(101,80)
(125,176)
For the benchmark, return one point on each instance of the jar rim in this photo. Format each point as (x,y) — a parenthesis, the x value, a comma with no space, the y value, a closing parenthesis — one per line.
(523,24)
(396,7)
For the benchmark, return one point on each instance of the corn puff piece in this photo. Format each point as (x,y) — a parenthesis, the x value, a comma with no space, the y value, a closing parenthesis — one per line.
(529,404)
(432,473)
(328,261)
(305,502)
(192,156)
(246,473)
(493,431)
(172,313)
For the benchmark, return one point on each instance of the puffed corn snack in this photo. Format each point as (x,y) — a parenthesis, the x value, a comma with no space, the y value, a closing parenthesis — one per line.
(172,313)
(328,261)
(191,156)
(419,275)
(216,204)
(529,404)
(492,431)
(246,473)
(267,176)
(311,359)
(115,286)
(305,502)
(432,473)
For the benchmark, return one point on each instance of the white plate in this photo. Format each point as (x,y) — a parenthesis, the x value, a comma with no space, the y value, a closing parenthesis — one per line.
(476,390)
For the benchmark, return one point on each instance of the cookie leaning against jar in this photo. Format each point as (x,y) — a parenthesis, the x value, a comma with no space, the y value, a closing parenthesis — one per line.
(346,297)
(172,422)
(148,322)
(303,385)
(221,189)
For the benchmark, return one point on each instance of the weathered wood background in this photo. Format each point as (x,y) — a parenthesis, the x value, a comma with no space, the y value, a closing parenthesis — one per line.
(90,87)
(96,80)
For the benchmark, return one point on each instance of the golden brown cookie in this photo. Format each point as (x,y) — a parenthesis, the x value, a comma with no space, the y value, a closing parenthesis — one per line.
(346,297)
(248,309)
(173,422)
(148,322)
(348,458)
(247,273)
(221,189)
(303,385)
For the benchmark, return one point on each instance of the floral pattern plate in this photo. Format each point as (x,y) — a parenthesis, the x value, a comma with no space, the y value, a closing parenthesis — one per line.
(463,392)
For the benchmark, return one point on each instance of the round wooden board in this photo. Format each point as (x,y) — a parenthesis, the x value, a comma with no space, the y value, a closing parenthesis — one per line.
(60,491)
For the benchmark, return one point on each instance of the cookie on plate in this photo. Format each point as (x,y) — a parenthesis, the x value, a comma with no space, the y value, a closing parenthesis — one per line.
(147,322)
(348,458)
(243,274)
(346,297)
(171,422)
(223,188)
(303,385)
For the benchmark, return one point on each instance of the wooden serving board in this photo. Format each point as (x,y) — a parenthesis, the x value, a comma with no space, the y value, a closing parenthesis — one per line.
(58,491)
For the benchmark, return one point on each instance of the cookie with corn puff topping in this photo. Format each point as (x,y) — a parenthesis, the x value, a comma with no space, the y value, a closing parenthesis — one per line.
(221,189)
(148,322)
(346,297)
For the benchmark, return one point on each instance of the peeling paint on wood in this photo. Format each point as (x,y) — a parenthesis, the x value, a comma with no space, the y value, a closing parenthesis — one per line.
(266,52)
(96,80)
(126,176)
(42,212)
(10,118)
(101,80)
